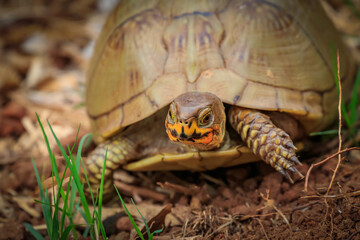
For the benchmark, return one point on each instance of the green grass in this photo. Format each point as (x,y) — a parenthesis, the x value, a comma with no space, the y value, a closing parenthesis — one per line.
(138,231)
(56,216)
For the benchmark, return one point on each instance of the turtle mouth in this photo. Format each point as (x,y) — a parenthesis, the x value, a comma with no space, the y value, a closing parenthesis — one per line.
(189,133)
(195,137)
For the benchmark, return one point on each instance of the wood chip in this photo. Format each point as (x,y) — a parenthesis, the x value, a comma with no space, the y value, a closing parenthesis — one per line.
(144,192)
(192,190)
(157,222)
(24,204)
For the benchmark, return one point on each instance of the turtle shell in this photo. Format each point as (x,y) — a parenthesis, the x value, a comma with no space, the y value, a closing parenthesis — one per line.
(267,55)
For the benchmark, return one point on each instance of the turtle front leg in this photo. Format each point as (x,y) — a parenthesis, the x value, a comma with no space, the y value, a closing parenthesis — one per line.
(120,150)
(266,140)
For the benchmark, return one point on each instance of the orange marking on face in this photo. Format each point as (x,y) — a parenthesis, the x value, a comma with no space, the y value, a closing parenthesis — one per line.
(193,133)
(207,138)
(172,138)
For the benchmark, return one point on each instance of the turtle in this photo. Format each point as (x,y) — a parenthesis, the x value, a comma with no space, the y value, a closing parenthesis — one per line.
(234,81)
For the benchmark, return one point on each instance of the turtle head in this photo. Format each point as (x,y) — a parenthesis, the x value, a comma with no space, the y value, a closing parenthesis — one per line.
(196,119)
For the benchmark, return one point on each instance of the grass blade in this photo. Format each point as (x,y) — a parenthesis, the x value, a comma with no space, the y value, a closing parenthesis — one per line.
(129,215)
(65,234)
(159,230)
(32,230)
(142,217)
(45,208)
(75,175)
(327,132)
(354,100)
(51,155)
(100,195)
(77,165)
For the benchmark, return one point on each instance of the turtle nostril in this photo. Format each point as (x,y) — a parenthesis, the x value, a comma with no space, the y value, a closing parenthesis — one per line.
(186,122)
(180,121)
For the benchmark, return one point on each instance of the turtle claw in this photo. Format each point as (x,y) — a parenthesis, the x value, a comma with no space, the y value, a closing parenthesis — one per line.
(290,145)
(295,160)
(285,166)
(286,175)
(294,170)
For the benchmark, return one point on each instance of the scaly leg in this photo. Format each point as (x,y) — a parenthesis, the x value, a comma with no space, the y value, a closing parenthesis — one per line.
(266,140)
(120,150)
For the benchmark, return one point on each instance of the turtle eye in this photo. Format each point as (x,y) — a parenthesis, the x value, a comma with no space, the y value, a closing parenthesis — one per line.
(206,117)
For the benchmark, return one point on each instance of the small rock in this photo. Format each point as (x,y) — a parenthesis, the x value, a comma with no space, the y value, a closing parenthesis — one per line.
(124,224)
(195,203)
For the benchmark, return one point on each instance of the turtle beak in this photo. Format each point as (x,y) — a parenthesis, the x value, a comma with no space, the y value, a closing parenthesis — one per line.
(188,132)
(181,130)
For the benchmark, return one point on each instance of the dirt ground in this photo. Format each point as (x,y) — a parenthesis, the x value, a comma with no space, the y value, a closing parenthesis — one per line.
(44,52)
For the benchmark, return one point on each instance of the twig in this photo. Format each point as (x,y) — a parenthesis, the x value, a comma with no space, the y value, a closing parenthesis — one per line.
(221,227)
(130,189)
(351,194)
(339,130)
(332,222)
(301,207)
(192,190)
(270,203)
(323,161)
(262,227)
(157,222)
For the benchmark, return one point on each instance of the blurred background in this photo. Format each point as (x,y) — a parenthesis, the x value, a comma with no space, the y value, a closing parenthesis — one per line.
(45,47)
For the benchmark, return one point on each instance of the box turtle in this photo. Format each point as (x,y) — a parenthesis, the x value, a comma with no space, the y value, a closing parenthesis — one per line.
(234,82)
